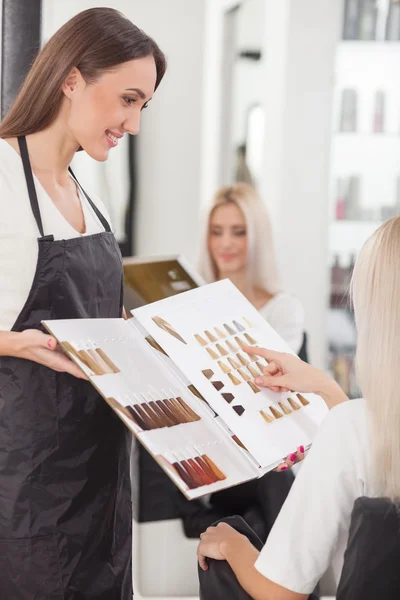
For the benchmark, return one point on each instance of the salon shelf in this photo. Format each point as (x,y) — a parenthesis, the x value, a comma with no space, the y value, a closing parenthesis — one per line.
(388,136)
(349,45)
(353,150)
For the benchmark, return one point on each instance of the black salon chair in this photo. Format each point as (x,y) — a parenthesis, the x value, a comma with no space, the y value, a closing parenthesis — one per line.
(371,564)
(371,568)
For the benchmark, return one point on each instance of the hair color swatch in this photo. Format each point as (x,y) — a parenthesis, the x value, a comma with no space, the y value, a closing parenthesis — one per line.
(119,407)
(231,346)
(156,414)
(228,397)
(281,409)
(150,340)
(197,470)
(165,326)
(210,336)
(221,334)
(208,373)
(266,416)
(201,340)
(251,340)
(254,387)
(234,379)
(253,371)
(233,363)
(221,350)
(243,375)
(244,361)
(303,400)
(229,329)
(294,404)
(93,357)
(240,342)
(249,323)
(276,412)
(196,393)
(224,367)
(239,442)
(239,327)
(284,408)
(260,367)
(218,385)
(212,354)
(239,409)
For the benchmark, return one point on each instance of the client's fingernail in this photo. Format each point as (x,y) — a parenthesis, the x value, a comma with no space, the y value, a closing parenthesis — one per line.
(284,468)
(301,449)
(292,457)
(258,380)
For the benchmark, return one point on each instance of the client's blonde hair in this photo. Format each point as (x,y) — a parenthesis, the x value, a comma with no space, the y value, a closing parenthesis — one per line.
(376,299)
(261,263)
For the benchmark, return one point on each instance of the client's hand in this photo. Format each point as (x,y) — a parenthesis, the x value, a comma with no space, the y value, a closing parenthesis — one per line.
(291,459)
(286,372)
(213,540)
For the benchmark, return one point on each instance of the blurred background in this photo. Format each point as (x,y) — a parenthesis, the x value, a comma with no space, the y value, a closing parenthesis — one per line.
(302,93)
(302,97)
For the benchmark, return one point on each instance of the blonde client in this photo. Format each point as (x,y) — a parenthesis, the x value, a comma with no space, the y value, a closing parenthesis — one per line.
(237,244)
(354,454)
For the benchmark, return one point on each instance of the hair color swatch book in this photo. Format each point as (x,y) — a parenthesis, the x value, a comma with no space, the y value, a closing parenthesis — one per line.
(178,377)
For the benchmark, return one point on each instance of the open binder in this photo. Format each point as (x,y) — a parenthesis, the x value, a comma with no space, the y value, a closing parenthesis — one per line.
(177,375)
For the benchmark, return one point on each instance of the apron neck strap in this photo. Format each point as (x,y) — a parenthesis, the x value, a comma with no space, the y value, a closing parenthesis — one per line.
(30,183)
(23,148)
(98,214)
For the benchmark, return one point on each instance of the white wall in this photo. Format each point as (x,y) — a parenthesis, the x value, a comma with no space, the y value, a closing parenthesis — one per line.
(300,45)
(169,148)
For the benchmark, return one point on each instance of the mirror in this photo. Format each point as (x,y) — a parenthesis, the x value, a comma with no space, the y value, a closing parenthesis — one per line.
(242,127)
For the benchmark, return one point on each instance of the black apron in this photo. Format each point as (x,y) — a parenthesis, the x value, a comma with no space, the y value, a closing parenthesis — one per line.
(65,505)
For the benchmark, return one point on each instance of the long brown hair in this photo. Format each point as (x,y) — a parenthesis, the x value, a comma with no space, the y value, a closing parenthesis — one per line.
(94,41)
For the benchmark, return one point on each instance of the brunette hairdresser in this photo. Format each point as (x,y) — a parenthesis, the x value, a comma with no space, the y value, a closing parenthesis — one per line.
(356,453)
(65,506)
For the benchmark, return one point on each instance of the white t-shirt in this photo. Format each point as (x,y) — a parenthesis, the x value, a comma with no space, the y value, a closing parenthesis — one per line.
(285,314)
(312,528)
(19,232)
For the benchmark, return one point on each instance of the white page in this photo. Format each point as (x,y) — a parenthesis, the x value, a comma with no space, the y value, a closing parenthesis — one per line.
(218,305)
(141,376)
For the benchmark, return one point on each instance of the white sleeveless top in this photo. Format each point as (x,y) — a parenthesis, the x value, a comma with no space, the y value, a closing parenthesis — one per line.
(285,314)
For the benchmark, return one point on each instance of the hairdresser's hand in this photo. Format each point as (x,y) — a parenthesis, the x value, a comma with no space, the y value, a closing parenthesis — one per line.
(286,373)
(41,348)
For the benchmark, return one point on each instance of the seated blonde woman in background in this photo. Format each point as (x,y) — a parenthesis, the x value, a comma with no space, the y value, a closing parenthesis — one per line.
(238,244)
(356,453)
